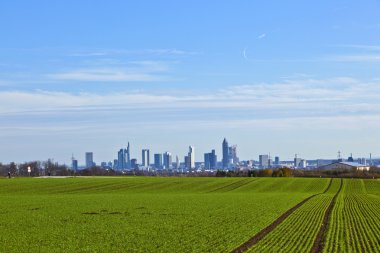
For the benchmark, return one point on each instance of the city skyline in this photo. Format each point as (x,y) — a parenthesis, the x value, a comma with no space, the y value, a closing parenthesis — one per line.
(281,77)
(164,160)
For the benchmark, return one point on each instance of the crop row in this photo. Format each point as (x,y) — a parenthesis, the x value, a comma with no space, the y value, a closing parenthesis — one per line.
(141,214)
(355,218)
(298,232)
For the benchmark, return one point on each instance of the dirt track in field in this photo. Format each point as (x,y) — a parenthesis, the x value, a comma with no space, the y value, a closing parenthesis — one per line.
(321,236)
(255,239)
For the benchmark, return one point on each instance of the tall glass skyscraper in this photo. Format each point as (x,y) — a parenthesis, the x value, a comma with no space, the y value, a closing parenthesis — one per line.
(145,158)
(128,158)
(225,150)
(89,159)
(167,160)
(158,161)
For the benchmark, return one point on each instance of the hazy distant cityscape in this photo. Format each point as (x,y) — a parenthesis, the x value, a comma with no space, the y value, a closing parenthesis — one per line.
(156,162)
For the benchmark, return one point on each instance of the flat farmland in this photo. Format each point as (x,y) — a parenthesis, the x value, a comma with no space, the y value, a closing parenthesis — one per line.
(153,214)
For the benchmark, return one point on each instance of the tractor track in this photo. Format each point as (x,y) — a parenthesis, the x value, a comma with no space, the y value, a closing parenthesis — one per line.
(256,238)
(321,236)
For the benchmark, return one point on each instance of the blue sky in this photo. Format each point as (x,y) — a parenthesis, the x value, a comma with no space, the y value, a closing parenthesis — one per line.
(283,77)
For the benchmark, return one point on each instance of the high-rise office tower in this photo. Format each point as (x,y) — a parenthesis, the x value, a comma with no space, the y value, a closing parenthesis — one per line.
(263,161)
(145,158)
(128,157)
(277,160)
(191,158)
(121,159)
(232,154)
(297,162)
(176,163)
(89,159)
(134,164)
(158,161)
(167,160)
(225,160)
(187,162)
(74,164)
(210,160)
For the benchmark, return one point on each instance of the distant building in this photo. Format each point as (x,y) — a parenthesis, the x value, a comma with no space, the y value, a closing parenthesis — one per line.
(134,164)
(276,160)
(302,164)
(74,165)
(187,162)
(177,164)
(128,157)
(225,159)
(158,161)
(191,158)
(167,160)
(122,159)
(297,162)
(232,155)
(340,166)
(210,160)
(263,161)
(89,159)
(145,158)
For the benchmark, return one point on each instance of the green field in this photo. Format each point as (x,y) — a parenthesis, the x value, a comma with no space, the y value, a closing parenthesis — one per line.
(146,214)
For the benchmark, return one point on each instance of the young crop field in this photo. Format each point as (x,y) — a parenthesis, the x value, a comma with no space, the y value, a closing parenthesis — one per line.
(355,223)
(152,214)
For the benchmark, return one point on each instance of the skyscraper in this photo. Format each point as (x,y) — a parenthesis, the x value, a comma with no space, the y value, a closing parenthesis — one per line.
(191,158)
(74,165)
(177,163)
(134,164)
(167,160)
(232,154)
(121,159)
(264,161)
(158,161)
(225,150)
(145,158)
(128,157)
(89,159)
(277,160)
(210,160)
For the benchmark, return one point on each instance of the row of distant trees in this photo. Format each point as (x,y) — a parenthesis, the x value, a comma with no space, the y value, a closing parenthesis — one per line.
(374,172)
(279,172)
(49,168)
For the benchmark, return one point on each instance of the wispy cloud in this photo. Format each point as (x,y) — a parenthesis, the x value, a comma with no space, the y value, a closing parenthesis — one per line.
(104,75)
(123,52)
(291,98)
(354,58)
(135,71)
(358,46)
(262,36)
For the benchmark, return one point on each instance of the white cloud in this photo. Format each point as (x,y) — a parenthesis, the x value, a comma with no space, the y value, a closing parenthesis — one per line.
(294,97)
(105,74)
(141,71)
(355,58)
(262,36)
(365,47)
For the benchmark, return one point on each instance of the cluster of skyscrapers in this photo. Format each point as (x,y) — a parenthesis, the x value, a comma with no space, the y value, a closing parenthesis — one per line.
(164,161)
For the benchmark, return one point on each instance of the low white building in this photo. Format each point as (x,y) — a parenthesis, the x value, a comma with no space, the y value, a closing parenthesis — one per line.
(345,166)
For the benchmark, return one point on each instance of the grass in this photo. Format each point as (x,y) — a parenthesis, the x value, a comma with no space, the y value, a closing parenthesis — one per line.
(142,214)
